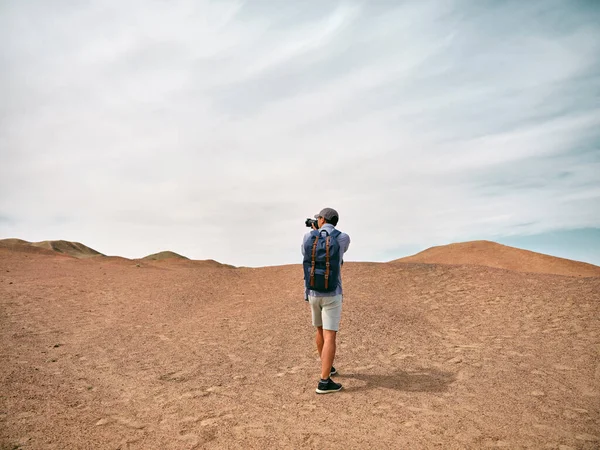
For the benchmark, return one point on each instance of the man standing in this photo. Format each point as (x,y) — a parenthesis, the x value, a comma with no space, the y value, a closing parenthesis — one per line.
(323,250)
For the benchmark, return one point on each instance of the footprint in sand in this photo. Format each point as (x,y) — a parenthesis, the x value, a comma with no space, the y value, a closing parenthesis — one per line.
(131,423)
(125,421)
(209,421)
(252,430)
(308,409)
(294,370)
(104,421)
(234,358)
(179,375)
(215,420)
(193,394)
(587,437)
(190,419)
(191,439)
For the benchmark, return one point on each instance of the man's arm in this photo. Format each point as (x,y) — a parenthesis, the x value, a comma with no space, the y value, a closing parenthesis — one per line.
(306,237)
(344,241)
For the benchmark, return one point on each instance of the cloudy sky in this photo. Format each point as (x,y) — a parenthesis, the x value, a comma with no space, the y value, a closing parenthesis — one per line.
(214,129)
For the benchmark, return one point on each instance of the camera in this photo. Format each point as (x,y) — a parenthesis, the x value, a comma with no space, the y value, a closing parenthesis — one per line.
(310,222)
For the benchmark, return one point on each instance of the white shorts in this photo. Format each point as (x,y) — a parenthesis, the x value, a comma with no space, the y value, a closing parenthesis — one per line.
(326,311)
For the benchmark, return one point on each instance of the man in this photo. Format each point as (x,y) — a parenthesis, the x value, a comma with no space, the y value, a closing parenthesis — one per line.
(326,307)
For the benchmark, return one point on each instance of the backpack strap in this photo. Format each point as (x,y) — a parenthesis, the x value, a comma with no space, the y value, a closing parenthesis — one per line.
(327,262)
(312,267)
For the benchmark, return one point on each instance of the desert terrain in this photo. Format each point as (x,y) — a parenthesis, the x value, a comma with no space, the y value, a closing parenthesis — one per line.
(461,347)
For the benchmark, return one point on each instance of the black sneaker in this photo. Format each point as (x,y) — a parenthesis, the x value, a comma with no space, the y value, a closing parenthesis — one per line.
(333,371)
(327,387)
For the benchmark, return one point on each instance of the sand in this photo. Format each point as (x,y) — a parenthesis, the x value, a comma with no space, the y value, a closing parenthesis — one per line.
(109,353)
(492,254)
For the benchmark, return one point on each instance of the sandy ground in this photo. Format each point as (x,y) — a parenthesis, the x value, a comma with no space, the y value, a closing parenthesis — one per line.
(107,353)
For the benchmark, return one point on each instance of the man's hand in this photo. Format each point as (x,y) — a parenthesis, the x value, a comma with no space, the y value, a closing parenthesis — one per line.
(313,227)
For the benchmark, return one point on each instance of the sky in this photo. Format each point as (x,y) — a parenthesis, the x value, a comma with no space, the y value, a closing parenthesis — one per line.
(215,128)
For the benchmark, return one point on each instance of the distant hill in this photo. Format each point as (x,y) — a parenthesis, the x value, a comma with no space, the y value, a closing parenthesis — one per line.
(19,245)
(13,242)
(180,259)
(492,254)
(164,255)
(212,263)
(74,249)
(78,250)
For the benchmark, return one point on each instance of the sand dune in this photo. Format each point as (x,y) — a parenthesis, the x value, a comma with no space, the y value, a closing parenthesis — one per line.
(173,258)
(13,242)
(74,249)
(19,245)
(81,251)
(164,255)
(492,254)
(211,263)
(110,353)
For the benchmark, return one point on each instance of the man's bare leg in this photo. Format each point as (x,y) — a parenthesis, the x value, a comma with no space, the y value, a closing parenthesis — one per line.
(320,340)
(327,353)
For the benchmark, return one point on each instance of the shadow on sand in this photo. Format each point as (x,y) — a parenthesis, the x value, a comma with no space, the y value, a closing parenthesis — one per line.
(426,380)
